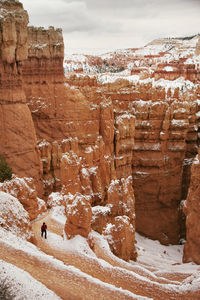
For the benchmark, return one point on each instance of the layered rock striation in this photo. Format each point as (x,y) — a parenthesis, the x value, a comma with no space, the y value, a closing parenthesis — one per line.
(86,150)
(101,141)
(191,209)
(18,138)
(24,190)
(158,153)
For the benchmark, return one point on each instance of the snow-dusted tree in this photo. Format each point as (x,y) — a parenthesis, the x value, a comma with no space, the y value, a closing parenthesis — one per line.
(5,170)
(6,291)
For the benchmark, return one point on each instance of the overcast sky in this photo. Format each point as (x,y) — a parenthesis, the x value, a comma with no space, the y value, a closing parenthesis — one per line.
(96,26)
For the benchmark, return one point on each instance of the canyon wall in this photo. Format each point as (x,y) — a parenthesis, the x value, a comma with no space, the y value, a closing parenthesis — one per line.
(160,87)
(191,209)
(165,141)
(103,146)
(17,139)
(86,150)
(198,47)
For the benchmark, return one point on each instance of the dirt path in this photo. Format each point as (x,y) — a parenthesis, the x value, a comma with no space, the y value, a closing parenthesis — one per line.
(66,282)
(125,276)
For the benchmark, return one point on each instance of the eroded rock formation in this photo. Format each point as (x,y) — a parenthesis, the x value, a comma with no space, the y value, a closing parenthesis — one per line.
(24,190)
(84,148)
(191,209)
(13,217)
(121,238)
(17,139)
(165,135)
(99,139)
(79,215)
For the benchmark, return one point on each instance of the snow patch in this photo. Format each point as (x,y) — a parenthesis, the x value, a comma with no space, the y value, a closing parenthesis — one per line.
(22,285)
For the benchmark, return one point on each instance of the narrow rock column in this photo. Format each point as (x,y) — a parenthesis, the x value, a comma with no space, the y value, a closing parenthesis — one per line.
(17,138)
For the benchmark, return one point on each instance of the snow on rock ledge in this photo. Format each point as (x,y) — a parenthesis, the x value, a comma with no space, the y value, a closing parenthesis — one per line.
(121,237)
(22,285)
(25,191)
(191,210)
(13,217)
(79,215)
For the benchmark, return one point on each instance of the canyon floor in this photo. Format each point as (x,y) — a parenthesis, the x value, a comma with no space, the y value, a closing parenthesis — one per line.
(74,270)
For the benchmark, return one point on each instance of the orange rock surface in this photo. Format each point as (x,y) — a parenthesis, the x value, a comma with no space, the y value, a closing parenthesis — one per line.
(120,145)
(77,132)
(24,190)
(79,215)
(165,135)
(17,138)
(120,236)
(191,209)
(13,217)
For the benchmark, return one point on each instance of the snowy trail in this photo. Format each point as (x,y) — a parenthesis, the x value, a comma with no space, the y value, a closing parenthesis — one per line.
(106,268)
(66,281)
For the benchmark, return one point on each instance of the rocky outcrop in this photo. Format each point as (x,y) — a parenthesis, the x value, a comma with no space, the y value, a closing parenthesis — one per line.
(59,112)
(197,52)
(13,217)
(162,131)
(85,150)
(165,140)
(191,209)
(121,238)
(175,70)
(79,215)
(17,139)
(24,190)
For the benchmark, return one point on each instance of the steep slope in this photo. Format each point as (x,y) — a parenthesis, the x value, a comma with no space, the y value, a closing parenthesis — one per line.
(86,274)
(159,86)
(191,209)
(78,135)
(160,155)
(17,139)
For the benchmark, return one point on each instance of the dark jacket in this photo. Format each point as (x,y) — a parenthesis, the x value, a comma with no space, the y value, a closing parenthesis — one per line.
(43,227)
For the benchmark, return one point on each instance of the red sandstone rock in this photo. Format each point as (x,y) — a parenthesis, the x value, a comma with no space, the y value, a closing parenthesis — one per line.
(17,138)
(121,238)
(198,47)
(191,210)
(94,139)
(24,190)
(164,135)
(79,215)
(13,217)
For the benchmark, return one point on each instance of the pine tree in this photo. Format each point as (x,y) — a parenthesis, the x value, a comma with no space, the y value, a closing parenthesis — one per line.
(5,170)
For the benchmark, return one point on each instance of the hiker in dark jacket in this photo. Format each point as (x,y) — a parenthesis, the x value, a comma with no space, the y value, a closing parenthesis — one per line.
(44,230)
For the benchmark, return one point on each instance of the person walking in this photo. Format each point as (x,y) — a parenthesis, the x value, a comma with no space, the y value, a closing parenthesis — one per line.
(44,230)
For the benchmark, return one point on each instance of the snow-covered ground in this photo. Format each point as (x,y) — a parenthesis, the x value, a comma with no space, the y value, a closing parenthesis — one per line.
(159,51)
(180,82)
(20,285)
(152,254)
(163,258)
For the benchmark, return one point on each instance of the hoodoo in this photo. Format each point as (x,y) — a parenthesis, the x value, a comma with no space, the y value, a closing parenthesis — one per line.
(17,138)
(110,143)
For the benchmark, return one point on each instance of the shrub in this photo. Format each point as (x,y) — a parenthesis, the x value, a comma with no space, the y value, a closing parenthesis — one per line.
(5,170)
(5,291)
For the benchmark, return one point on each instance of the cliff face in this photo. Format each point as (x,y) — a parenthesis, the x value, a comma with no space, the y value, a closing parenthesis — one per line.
(198,47)
(165,136)
(17,139)
(85,148)
(159,87)
(165,140)
(99,139)
(191,209)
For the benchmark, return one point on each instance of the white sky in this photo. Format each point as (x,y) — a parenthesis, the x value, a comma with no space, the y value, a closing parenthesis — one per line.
(96,26)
